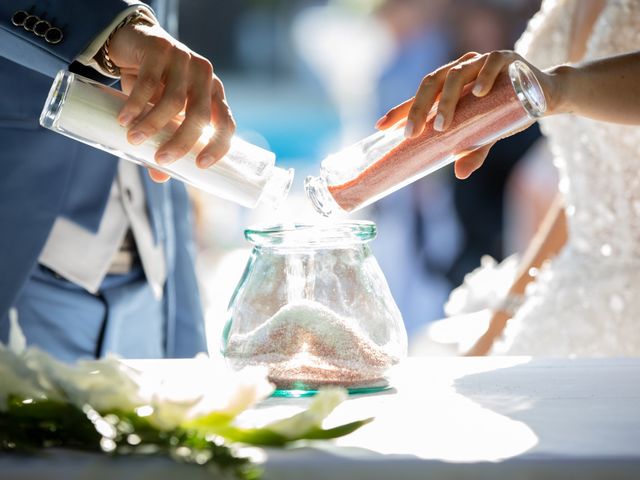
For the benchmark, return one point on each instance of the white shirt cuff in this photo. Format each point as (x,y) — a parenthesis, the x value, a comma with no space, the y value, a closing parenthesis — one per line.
(87,57)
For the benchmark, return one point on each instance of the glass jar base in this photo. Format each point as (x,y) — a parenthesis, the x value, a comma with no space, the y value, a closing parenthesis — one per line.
(284,393)
(304,387)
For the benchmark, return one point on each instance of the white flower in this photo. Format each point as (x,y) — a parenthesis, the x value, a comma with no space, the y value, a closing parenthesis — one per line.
(323,404)
(16,379)
(105,384)
(176,400)
(110,385)
(248,387)
(17,340)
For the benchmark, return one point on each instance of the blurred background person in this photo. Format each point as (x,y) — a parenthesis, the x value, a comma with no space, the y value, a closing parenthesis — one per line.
(419,234)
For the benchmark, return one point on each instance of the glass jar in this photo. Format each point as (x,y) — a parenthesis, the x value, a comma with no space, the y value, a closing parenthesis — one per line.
(87,111)
(386,161)
(314,307)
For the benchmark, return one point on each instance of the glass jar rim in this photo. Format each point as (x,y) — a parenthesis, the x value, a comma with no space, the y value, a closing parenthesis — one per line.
(324,235)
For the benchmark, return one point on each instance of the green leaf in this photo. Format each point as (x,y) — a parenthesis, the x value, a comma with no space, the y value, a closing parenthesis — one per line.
(253,436)
(266,437)
(305,425)
(339,431)
(210,423)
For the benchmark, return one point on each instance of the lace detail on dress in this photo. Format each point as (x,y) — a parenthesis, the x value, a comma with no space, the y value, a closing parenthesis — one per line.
(586,301)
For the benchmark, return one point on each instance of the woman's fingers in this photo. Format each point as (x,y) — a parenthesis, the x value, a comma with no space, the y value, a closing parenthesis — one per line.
(456,79)
(417,109)
(468,164)
(225,126)
(393,116)
(444,87)
(423,101)
(493,65)
(427,94)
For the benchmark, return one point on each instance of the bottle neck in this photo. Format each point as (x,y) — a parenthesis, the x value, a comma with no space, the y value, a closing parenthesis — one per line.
(528,89)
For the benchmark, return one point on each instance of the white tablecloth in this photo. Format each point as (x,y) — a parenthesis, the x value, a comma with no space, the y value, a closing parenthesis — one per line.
(502,417)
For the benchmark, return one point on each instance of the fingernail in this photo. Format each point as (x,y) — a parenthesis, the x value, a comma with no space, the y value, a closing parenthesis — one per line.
(206,161)
(126,119)
(380,121)
(409,128)
(438,123)
(477,89)
(164,158)
(137,138)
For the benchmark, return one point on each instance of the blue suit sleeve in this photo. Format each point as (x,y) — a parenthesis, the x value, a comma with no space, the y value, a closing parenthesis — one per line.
(79,20)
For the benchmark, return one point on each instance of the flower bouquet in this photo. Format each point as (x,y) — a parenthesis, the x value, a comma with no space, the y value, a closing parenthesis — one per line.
(108,406)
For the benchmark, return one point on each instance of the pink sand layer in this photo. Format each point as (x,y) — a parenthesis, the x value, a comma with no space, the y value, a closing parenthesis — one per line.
(296,355)
(476,122)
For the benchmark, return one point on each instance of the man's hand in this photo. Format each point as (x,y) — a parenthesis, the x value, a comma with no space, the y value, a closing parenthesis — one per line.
(156,68)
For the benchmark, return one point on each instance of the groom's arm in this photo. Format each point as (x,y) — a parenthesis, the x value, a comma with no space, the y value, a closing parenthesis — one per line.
(152,65)
(69,35)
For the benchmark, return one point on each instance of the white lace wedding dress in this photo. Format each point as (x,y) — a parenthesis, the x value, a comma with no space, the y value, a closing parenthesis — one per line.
(586,302)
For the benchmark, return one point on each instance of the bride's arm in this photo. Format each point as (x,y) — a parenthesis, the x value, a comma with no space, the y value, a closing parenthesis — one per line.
(548,241)
(604,89)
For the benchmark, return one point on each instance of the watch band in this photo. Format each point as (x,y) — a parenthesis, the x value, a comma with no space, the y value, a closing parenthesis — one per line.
(103,58)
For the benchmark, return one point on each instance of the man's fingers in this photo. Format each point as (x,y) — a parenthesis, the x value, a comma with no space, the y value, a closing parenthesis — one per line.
(149,80)
(127,81)
(224,125)
(197,115)
(171,102)
(215,149)
(468,164)
(221,115)
(157,175)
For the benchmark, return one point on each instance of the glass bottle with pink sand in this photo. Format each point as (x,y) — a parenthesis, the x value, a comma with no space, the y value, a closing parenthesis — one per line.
(314,308)
(386,161)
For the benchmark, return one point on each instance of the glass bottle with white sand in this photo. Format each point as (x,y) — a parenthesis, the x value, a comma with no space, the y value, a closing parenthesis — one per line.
(87,111)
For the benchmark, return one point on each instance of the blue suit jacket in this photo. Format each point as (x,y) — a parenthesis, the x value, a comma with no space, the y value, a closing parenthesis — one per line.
(44,175)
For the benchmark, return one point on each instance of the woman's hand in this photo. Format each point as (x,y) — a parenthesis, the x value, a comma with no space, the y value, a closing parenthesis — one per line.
(157,68)
(442,89)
